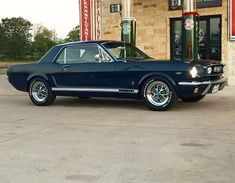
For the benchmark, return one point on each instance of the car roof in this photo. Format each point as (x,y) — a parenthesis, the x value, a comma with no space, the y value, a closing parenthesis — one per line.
(89,42)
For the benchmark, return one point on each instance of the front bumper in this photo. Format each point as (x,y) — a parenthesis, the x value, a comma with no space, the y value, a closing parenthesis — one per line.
(204,87)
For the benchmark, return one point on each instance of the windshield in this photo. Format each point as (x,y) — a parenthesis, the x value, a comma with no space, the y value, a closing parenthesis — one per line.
(124,51)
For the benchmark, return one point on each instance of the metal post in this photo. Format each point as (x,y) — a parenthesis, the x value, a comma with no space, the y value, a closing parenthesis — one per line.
(190,30)
(128,24)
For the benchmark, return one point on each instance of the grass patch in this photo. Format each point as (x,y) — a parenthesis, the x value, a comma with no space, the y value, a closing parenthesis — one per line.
(3,71)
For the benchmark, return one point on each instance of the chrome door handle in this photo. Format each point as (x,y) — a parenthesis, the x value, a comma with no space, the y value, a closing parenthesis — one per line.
(66,67)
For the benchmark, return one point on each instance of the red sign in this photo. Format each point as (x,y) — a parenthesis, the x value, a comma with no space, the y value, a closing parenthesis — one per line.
(98,20)
(86,20)
(232,19)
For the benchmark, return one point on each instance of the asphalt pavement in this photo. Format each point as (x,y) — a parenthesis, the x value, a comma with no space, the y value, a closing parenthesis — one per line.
(116,141)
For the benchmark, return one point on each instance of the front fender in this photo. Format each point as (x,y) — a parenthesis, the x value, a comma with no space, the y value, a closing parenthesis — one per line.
(156,74)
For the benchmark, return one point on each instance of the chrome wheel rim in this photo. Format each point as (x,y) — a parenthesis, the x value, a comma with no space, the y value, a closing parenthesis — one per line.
(39,91)
(158,93)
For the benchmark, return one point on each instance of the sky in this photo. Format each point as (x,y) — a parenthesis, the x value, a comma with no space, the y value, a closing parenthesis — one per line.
(58,15)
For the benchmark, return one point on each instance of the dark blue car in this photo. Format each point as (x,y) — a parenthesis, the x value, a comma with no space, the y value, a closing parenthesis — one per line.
(115,69)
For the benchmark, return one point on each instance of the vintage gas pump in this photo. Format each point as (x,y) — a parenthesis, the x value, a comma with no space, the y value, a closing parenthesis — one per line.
(128,24)
(190,30)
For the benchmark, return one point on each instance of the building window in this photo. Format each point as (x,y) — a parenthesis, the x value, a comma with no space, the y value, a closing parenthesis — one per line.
(177,4)
(209,37)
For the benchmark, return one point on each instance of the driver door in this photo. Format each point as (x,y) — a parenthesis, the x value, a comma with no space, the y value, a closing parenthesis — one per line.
(84,66)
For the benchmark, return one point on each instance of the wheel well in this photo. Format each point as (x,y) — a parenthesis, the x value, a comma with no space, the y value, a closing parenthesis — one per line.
(160,76)
(31,79)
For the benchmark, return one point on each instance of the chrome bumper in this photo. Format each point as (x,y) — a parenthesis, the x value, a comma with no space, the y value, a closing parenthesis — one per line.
(222,82)
(195,83)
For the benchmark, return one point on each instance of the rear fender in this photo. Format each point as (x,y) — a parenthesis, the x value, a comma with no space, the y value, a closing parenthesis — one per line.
(30,77)
(35,75)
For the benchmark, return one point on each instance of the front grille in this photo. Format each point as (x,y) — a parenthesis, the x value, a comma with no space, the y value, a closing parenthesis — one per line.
(217,69)
(210,78)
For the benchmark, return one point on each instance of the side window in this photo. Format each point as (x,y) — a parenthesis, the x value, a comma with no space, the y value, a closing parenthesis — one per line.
(73,54)
(88,54)
(103,56)
(117,52)
(61,58)
(82,54)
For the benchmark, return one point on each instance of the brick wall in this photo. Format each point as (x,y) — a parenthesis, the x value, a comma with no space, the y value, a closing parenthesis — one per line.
(231,63)
(153,28)
(110,22)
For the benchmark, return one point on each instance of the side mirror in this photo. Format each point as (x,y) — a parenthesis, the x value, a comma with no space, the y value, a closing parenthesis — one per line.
(98,58)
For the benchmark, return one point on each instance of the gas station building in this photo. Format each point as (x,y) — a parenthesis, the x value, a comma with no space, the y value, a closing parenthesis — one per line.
(159,29)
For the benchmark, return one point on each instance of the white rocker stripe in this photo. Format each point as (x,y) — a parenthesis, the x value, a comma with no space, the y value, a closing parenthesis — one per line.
(108,90)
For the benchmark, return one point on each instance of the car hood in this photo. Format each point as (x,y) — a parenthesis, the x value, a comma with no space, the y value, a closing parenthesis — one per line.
(194,62)
(149,60)
(206,62)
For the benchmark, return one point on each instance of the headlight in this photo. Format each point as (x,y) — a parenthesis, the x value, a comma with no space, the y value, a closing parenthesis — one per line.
(194,72)
(209,70)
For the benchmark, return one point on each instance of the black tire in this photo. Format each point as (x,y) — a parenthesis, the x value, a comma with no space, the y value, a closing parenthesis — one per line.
(159,100)
(40,92)
(193,99)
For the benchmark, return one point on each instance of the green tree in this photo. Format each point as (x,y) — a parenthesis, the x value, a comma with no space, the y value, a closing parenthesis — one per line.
(1,40)
(73,35)
(16,37)
(44,39)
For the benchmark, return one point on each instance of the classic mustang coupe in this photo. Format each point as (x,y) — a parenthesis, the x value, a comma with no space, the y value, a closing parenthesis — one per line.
(115,69)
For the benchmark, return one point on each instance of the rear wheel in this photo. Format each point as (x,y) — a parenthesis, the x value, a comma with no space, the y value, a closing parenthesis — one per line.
(193,99)
(158,94)
(40,92)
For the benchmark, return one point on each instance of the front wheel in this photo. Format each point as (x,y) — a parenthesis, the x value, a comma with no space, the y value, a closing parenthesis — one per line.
(158,94)
(193,99)
(40,92)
